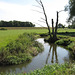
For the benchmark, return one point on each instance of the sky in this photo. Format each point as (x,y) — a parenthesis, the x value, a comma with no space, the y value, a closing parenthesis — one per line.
(26,10)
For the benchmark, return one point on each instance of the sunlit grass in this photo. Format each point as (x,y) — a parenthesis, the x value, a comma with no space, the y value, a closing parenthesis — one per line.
(7,35)
(13,32)
(65,30)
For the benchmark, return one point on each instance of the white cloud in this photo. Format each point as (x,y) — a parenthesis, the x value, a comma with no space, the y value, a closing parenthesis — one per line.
(24,12)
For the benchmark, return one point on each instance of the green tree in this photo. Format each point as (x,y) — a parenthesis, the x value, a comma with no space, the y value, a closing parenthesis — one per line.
(61,25)
(71,9)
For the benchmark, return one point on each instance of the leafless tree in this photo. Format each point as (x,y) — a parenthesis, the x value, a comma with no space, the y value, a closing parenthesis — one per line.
(54,30)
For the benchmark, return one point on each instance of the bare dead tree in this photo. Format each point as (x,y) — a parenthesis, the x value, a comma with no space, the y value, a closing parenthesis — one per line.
(54,30)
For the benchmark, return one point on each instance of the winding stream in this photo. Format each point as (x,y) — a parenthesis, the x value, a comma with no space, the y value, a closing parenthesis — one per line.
(51,54)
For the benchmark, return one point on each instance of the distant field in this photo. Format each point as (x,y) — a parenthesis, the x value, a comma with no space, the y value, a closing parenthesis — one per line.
(8,35)
(13,32)
(27,28)
(14,28)
(66,30)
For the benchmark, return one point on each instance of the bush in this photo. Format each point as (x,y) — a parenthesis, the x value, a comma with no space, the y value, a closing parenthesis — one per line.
(21,58)
(64,42)
(72,47)
(3,29)
(56,69)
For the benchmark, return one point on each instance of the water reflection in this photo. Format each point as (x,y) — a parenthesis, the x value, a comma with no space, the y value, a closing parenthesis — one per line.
(54,53)
(51,54)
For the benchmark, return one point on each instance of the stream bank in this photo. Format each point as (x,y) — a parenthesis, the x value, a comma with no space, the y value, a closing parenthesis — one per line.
(51,54)
(67,42)
(20,50)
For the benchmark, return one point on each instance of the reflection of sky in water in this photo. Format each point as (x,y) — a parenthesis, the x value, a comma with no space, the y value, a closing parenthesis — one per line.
(51,54)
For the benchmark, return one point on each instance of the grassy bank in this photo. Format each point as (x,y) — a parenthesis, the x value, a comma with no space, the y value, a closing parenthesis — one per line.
(56,69)
(67,42)
(20,50)
(63,69)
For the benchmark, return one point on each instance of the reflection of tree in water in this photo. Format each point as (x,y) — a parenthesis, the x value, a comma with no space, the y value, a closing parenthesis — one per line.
(54,51)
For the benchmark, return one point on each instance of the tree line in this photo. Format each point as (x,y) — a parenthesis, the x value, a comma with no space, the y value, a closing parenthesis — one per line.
(15,23)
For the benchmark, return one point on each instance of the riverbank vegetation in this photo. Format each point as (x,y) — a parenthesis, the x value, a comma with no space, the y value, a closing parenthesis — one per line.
(69,43)
(64,35)
(20,50)
(56,69)
(63,69)
(65,41)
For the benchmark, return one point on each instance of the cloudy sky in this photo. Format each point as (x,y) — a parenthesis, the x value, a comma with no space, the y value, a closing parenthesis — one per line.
(23,10)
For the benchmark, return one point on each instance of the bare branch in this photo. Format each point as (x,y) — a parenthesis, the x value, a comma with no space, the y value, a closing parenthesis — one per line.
(44,13)
(37,11)
(41,21)
(40,25)
(38,2)
(37,6)
(61,11)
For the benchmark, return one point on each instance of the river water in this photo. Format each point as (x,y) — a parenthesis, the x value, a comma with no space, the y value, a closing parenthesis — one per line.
(51,54)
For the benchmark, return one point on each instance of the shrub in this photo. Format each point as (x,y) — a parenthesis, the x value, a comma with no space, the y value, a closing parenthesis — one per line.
(39,46)
(72,47)
(3,29)
(64,42)
(56,69)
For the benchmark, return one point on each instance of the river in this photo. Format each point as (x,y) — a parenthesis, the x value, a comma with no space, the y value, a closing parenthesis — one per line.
(52,54)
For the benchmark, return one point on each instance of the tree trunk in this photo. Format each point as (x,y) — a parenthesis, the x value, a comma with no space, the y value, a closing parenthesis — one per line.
(56,24)
(53,27)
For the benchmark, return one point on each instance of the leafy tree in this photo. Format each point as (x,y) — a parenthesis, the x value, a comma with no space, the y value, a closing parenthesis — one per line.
(71,26)
(61,25)
(72,9)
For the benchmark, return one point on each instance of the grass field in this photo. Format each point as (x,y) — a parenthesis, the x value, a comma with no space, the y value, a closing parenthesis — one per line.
(8,35)
(66,30)
(13,32)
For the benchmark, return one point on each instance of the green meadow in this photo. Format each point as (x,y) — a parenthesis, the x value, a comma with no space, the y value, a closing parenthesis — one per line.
(13,32)
(66,30)
(8,35)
